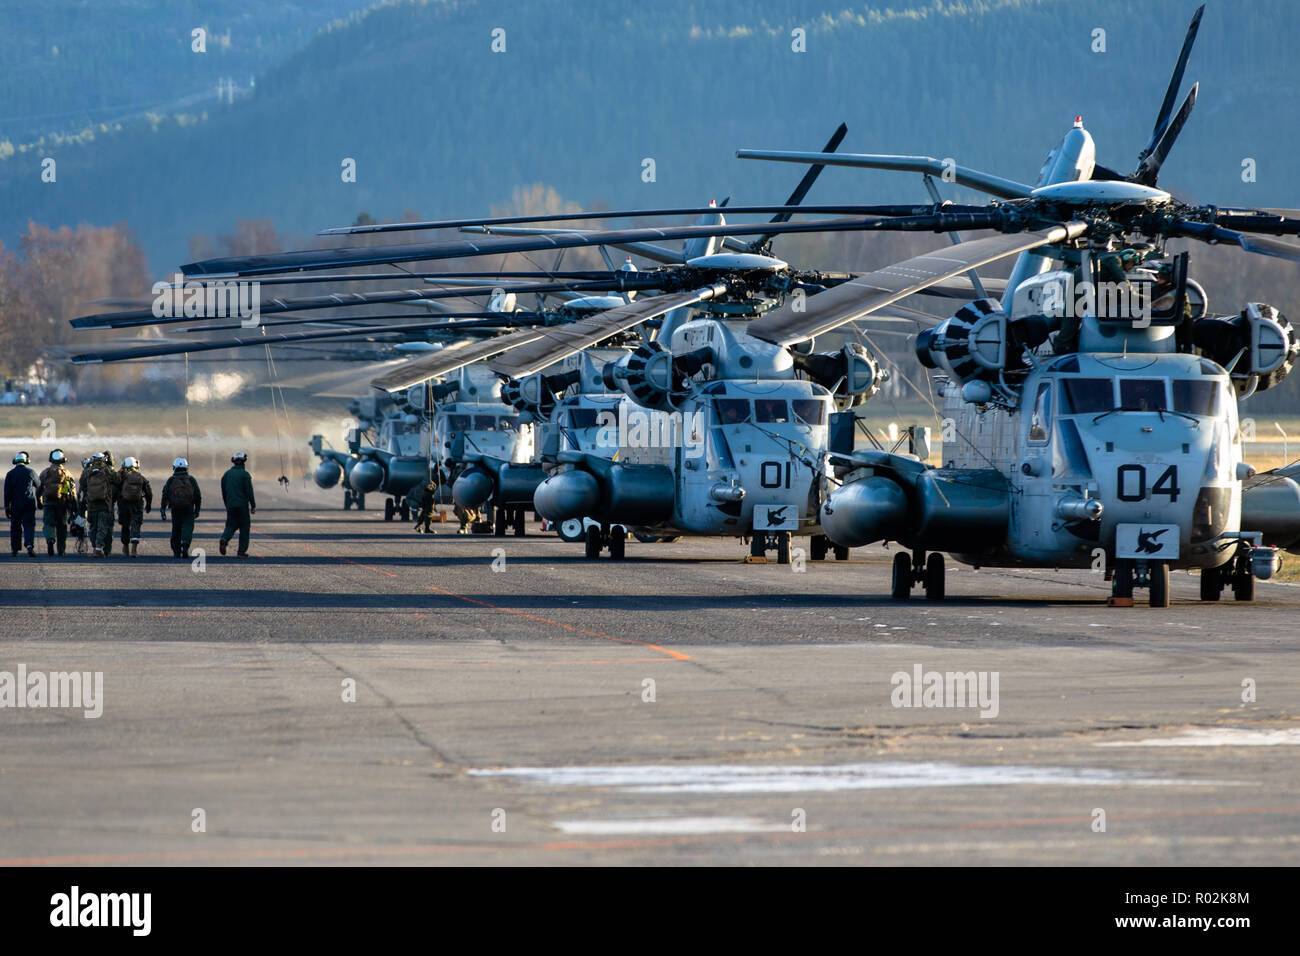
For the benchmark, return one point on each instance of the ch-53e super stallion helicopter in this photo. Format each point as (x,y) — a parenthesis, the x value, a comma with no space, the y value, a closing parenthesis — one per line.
(1102,427)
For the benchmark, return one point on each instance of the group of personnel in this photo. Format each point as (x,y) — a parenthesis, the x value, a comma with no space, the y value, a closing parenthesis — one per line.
(84,507)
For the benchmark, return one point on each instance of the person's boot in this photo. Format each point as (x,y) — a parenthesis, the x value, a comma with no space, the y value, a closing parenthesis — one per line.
(31,552)
(135,549)
(99,552)
(49,547)
(221,545)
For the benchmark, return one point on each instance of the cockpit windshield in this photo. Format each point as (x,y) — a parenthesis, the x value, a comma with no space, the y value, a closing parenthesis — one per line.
(1196,396)
(1086,396)
(732,411)
(583,417)
(1142,395)
(773,410)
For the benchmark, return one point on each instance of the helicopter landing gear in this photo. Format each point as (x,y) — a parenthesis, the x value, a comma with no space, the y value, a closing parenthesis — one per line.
(1212,580)
(1243,582)
(613,538)
(353,500)
(595,542)
(818,547)
(406,510)
(520,529)
(934,577)
(1130,574)
(913,569)
(1158,583)
(571,531)
(901,585)
(762,541)
(841,553)
(389,510)
(499,524)
(615,541)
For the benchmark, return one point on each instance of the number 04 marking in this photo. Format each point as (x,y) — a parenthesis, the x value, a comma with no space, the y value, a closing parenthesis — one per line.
(1131,483)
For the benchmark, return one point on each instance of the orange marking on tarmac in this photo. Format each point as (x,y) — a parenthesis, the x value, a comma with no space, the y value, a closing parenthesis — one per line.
(671,654)
(674,655)
(571,845)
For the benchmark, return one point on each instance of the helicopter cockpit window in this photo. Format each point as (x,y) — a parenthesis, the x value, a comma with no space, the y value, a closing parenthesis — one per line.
(582,417)
(509,423)
(732,411)
(1085,396)
(1040,422)
(485,423)
(809,411)
(1196,396)
(773,410)
(458,423)
(1142,395)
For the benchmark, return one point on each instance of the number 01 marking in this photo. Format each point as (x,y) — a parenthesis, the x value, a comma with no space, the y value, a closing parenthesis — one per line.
(1131,483)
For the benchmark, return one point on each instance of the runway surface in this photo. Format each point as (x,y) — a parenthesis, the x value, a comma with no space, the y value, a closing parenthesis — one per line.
(678,707)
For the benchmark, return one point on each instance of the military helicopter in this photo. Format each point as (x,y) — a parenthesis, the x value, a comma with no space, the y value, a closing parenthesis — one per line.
(1104,433)
(396,464)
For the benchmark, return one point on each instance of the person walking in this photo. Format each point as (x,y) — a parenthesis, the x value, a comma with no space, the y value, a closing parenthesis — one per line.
(116,482)
(237,494)
(135,500)
(58,503)
(22,492)
(181,494)
(97,493)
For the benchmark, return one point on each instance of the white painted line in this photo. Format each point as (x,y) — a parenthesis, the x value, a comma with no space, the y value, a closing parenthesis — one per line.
(1221,737)
(691,826)
(736,778)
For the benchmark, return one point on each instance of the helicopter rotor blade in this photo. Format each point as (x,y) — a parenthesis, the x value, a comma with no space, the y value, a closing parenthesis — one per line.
(560,341)
(1258,244)
(588,216)
(919,218)
(1171,92)
(962,175)
(341,300)
(450,359)
(805,184)
(1149,167)
(865,294)
(254,338)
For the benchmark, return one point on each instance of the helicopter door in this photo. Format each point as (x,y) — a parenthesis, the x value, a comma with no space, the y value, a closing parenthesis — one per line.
(1035,506)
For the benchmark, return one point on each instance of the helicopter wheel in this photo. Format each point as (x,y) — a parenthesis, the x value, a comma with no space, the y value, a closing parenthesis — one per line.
(1121,584)
(1211,584)
(902,581)
(758,544)
(934,577)
(388,509)
(1159,583)
(818,546)
(841,553)
(594,543)
(406,511)
(1243,582)
(499,522)
(616,543)
(520,530)
(347,501)
(570,530)
(783,547)
(359,501)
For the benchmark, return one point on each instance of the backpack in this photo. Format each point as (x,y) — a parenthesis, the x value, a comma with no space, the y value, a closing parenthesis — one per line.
(54,478)
(97,486)
(133,486)
(181,494)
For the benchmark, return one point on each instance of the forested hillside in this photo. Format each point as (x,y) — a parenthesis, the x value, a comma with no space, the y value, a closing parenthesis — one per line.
(584,93)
